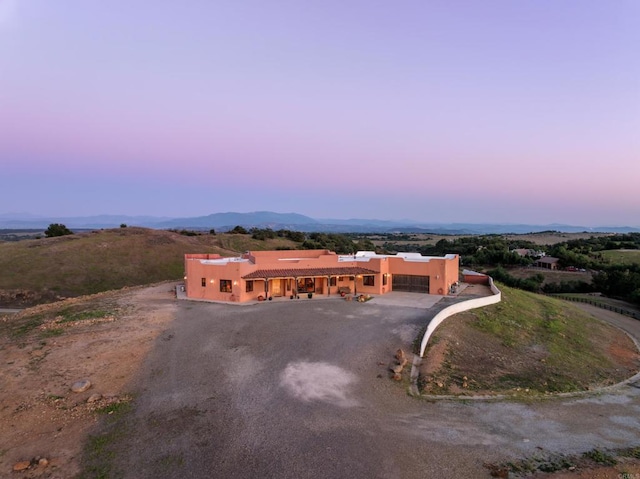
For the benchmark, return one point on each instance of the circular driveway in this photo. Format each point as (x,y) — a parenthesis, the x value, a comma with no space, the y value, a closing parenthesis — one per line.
(300,389)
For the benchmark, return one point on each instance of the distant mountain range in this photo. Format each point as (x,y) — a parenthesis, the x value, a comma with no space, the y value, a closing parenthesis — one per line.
(293,221)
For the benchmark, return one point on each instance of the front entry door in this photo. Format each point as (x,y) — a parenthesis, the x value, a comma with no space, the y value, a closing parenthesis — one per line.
(277,287)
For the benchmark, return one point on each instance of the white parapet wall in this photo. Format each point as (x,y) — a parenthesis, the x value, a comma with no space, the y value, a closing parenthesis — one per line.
(496,297)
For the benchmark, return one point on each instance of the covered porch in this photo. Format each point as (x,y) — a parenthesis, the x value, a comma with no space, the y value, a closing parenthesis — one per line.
(310,282)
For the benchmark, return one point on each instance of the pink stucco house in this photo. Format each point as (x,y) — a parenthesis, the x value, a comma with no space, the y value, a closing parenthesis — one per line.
(259,275)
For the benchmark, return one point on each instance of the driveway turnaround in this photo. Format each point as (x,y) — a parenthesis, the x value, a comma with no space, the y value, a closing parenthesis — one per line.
(301,389)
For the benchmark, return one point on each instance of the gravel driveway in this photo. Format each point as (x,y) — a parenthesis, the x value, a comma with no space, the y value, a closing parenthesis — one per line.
(300,389)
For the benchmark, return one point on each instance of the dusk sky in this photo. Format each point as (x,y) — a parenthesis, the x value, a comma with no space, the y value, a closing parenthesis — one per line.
(476,111)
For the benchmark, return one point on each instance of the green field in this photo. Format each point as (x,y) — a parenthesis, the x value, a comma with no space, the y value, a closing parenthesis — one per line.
(622,256)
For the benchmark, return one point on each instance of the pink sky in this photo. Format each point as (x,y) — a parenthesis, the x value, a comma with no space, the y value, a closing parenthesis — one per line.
(436,111)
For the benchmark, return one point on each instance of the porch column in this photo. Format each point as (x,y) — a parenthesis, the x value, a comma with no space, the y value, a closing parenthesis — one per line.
(295,286)
(329,285)
(266,288)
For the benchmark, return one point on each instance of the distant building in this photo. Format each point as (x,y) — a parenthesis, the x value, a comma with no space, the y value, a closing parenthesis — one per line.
(548,262)
(259,275)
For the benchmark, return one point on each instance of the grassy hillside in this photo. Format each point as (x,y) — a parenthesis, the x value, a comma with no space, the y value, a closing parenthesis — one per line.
(527,343)
(621,256)
(109,259)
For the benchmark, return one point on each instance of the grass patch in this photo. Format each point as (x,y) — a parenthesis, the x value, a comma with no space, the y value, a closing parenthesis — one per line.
(116,409)
(24,326)
(100,450)
(550,463)
(601,457)
(99,455)
(52,333)
(633,452)
(69,316)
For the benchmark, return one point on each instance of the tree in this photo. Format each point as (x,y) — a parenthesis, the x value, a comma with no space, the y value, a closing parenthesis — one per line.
(238,230)
(57,229)
(212,232)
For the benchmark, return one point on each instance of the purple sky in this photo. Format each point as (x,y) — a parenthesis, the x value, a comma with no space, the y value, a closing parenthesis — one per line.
(442,111)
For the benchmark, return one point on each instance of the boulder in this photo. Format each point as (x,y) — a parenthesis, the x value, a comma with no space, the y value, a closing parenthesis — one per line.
(81,386)
(21,466)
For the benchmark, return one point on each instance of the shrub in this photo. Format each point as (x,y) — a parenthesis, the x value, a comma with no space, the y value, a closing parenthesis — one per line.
(57,229)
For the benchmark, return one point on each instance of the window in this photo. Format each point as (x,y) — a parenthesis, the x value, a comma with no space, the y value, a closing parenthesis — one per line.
(306,285)
(204,282)
(333,281)
(341,279)
(249,286)
(384,279)
(225,286)
(369,280)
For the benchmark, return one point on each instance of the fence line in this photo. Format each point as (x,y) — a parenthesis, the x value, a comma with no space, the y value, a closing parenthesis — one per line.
(599,304)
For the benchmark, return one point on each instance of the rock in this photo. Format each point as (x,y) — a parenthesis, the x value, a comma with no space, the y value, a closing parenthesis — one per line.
(439,384)
(502,472)
(43,462)
(21,466)
(94,397)
(400,355)
(81,386)
(397,377)
(397,368)
(403,362)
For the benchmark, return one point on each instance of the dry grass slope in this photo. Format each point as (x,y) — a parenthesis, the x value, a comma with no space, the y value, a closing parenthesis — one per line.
(103,260)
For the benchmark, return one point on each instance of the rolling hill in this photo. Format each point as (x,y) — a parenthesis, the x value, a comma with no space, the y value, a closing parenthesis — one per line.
(41,270)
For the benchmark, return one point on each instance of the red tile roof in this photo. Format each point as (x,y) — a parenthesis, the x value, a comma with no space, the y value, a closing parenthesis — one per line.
(299,273)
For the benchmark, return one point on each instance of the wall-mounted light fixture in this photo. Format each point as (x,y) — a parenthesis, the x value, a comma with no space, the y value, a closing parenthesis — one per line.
(212,281)
(235,283)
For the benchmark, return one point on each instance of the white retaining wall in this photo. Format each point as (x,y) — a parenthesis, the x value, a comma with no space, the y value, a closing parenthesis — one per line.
(458,308)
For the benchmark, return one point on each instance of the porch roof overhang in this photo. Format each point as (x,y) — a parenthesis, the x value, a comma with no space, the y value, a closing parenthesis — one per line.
(307,272)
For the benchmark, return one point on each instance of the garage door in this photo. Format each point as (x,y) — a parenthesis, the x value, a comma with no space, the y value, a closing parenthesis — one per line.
(410,283)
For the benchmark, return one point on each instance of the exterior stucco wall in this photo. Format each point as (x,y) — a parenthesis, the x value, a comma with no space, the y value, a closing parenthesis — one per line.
(442,272)
(212,274)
